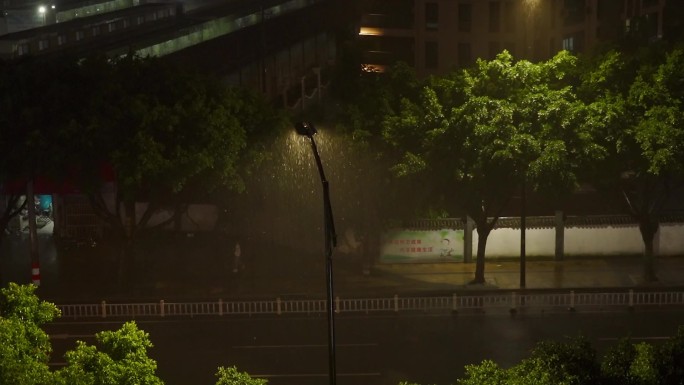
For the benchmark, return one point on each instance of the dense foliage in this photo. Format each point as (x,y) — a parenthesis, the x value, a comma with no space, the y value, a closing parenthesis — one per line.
(471,140)
(166,135)
(575,362)
(119,357)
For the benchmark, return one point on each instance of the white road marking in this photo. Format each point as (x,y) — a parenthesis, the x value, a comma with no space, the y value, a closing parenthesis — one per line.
(68,336)
(302,346)
(633,338)
(315,375)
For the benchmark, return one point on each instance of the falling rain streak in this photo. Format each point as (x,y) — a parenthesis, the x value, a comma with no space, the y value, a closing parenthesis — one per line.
(282,212)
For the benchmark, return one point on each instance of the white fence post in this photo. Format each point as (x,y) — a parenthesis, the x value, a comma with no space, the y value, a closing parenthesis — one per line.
(572,300)
(104,309)
(220,303)
(631,298)
(161,307)
(337,304)
(278,311)
(396,303)
(454,302)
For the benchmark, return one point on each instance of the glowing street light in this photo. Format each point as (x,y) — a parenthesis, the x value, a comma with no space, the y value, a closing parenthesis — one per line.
(42,10)
(307,129)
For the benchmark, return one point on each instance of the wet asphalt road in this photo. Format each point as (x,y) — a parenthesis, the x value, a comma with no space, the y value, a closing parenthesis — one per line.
(379,350)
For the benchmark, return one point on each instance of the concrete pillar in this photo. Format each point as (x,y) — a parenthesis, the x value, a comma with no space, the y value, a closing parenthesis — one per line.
(468,240)
(560,235)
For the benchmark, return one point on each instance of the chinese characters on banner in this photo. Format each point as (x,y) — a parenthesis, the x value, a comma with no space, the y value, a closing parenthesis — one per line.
(422,245)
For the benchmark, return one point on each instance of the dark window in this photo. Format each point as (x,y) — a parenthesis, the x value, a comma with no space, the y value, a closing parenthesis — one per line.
(464,55)
(510,47)
(431,16)
(509,16)
(431,54)
(465,17)
(494,16)
(573,10)
(494,49)
(388,14)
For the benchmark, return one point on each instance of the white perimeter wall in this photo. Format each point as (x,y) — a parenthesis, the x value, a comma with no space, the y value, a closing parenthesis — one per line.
(583,241)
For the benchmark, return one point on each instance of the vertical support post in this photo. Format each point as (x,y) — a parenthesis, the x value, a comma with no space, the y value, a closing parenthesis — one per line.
(560,235)
(220,304)
(396,303)
(303,86)
(161,307)
(330,241)
(523,225)
(317,71)
(33,233)
(572,300)
(278,309)
(454,302)
(468,240)
(103,307)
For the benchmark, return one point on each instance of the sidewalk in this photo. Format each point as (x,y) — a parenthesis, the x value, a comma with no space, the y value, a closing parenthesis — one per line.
(608,273)
(90,275)
(569,274)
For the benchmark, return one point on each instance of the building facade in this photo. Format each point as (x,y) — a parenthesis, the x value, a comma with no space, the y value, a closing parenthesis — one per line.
(435,36)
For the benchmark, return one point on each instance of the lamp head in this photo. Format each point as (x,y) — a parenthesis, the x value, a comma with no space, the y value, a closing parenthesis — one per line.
(305,128)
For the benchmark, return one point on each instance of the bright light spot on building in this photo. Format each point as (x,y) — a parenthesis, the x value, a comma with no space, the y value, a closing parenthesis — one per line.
(42,9)
(368,31)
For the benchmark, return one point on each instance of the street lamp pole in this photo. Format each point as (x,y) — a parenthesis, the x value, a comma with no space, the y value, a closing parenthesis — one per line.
(308,130)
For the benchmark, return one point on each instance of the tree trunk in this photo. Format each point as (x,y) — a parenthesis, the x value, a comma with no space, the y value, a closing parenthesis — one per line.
(126,251)
(483,231)
(33,230)
(648,229)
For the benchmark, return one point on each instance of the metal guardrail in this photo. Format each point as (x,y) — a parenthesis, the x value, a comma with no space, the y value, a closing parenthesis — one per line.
(512,301)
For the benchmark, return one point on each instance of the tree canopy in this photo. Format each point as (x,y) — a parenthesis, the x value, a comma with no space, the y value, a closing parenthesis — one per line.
(482,132)
(574,361)
(118,357)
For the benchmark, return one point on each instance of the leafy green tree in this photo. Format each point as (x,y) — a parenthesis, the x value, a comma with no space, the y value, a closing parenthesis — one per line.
(637,102)
(669,360)
(24,347)
(571,362)
(486,373)
(231,376)
(122,360)
(162,130)
(34,101)
(169,137)
(484,132)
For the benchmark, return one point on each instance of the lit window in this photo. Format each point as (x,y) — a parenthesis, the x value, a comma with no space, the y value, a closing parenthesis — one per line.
(61,39)
(22,49)
(43,44)
(569,44)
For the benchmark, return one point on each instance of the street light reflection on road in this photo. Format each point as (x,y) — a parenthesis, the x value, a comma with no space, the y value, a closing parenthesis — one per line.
(307,129)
